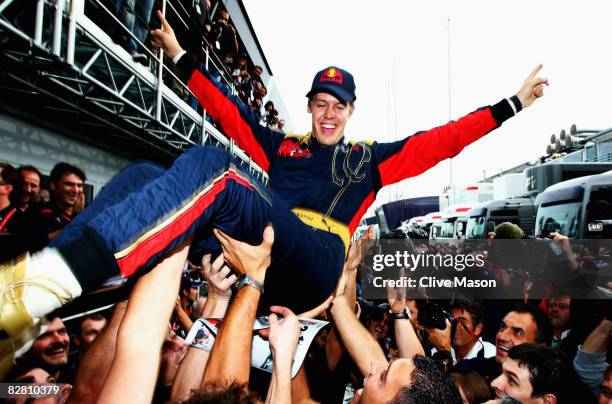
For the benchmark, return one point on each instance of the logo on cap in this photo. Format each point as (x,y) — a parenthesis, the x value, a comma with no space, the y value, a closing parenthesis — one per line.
(332,75)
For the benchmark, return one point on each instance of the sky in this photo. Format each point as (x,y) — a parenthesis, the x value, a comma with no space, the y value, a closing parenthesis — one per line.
(406,72)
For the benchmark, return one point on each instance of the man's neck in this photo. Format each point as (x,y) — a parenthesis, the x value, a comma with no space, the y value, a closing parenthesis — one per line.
(461,352)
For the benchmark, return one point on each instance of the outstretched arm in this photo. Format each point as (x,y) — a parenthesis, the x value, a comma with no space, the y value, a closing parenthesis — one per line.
(418,153)
(230,359)
(97,361)
(408,343)
(145,324)
(284,336)
(191,371)
(362,347)
(238,120)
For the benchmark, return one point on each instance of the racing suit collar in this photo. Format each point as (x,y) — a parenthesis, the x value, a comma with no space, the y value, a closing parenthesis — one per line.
(310,136)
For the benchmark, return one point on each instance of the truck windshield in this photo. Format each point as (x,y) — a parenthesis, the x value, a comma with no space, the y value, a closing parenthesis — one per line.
(475,228)
(448,228)
(562,218)
(435,231)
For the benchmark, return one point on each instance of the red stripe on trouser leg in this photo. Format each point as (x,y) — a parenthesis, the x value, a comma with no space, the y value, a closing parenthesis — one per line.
(154,244)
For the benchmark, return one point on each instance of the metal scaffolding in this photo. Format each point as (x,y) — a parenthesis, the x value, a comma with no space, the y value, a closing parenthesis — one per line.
(51,51)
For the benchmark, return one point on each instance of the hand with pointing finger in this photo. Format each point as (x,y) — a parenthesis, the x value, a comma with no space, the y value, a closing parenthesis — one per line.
(165,39)
(533,87)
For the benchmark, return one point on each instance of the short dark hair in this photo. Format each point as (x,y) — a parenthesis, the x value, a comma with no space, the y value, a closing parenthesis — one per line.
(23,168)
(348,103)
(544,333)
(8,174)
(94,317)
(429,385)
(474,307)
(549,371)
(214,392)
(474,386)
(62,169)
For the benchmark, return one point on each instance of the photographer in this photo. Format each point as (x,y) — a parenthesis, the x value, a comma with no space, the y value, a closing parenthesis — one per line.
(222,36)
(466,342)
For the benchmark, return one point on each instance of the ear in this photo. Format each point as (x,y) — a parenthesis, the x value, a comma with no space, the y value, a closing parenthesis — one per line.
(52,186)
(308,107)
(550,399)
(76,341)
(351,110)
(478,329)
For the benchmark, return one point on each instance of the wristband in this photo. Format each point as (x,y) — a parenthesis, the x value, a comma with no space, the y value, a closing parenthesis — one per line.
(247,280)
(517,103)
(405,314)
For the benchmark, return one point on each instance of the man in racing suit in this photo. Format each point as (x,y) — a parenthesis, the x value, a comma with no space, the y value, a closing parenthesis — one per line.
(320,187)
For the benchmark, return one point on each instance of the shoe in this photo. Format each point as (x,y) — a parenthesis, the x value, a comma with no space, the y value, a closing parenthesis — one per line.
(13,348)
(17,327)
(139,58)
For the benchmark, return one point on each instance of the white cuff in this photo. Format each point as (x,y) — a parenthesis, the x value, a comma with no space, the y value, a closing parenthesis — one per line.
(179,55)
(507,99)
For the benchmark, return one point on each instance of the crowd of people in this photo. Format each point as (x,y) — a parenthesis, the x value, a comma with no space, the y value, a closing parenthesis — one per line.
(370,352)
(203,31)
(31,214)
(147,224)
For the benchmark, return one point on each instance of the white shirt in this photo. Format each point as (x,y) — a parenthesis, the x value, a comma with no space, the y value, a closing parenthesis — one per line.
(489,350)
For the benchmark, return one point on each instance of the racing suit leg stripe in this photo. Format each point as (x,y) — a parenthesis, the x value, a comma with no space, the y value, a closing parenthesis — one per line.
(228,114)
(155,240)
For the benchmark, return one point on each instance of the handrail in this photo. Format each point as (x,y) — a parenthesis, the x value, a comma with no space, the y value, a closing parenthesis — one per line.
(51,39)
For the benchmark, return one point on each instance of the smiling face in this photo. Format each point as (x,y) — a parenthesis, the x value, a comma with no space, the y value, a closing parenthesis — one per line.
(67,190)
(30,185)
(515,329)
(379,328)
(384,381)
(329,118)
(514,382)
(51,348)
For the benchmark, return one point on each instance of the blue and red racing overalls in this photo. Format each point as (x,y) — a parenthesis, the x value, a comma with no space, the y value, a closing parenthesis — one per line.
(145,212)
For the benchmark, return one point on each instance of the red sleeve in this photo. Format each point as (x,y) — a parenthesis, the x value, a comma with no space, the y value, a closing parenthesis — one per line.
(416,154)
(237,119)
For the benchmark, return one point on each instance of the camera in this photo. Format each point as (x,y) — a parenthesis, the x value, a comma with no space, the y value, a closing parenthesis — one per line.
(434,316)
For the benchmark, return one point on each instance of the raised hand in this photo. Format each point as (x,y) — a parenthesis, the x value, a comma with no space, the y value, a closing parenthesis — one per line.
(284,333)
(396,296)
(245,258)
(216,274)
(165,39)
(533,87)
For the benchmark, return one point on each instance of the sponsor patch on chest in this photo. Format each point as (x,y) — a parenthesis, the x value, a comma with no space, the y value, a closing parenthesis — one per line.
(292,148)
